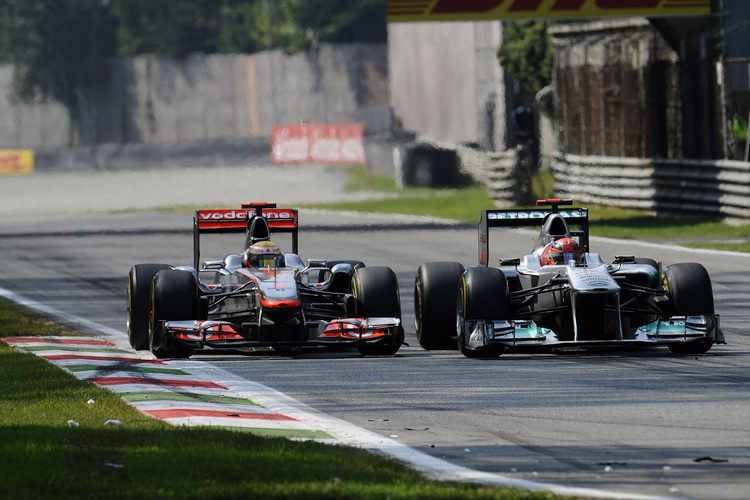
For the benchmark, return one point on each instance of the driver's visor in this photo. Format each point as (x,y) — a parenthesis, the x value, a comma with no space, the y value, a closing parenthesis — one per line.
(568,256)
(267,262)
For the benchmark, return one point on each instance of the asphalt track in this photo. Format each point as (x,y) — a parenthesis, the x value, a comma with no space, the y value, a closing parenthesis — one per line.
(642,423)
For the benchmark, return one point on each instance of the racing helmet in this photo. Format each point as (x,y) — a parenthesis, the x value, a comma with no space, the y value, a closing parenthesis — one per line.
(263,254)
(562,251)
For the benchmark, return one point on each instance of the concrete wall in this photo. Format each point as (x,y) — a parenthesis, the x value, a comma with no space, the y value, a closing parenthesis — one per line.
(446,83)
(23,125)
(160,100)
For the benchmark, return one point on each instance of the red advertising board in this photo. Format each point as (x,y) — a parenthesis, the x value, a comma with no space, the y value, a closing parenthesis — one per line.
(318,143)
(476,10)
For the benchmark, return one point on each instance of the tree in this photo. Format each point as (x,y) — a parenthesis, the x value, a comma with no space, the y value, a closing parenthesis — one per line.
(343,21)
(527,53)
(180,27)
(167,27)
(56,49)
(295,25)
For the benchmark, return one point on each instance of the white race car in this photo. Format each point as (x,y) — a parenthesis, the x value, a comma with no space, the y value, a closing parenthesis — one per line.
(561,296)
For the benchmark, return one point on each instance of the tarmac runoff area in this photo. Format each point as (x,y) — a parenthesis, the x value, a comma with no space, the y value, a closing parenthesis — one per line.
(87,191)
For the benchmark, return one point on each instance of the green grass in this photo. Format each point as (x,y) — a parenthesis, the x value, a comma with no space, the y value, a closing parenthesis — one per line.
(462,204)
(361,180)
(14,321)
(42,456)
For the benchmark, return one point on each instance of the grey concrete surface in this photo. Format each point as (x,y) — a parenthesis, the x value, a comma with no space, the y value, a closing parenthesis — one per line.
(46,195)
(636,422)
(632,422)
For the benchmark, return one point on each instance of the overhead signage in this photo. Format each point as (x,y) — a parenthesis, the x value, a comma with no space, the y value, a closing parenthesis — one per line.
(484,10)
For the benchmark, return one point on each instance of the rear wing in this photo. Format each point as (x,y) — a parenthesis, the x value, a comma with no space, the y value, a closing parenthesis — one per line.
(221,221)
(576,218)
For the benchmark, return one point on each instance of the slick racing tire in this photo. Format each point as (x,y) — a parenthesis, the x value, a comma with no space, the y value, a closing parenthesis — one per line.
(482,294)
(690,293)
(376,294)
(174,297)
(139,301)
(435,295)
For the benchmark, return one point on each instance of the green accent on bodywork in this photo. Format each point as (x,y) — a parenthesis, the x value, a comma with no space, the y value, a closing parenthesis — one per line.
(522,331)
(654,279)
(665,329)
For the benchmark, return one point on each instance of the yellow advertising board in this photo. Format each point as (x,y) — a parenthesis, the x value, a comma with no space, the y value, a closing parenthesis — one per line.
(16,161)
(483,10)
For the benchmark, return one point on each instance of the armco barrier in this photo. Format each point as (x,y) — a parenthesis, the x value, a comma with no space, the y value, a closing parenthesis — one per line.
(500,181)
(394,154)
(718,188)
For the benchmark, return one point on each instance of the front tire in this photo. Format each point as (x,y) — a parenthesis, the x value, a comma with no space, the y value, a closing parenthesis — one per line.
(688,286)
(139,302)
(435,294)
(376,294)
(174,297)
(482,295)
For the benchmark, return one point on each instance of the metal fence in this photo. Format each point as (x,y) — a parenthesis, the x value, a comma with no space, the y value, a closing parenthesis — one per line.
(719,188)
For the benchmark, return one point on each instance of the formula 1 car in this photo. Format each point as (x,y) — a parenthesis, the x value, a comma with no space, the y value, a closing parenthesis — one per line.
(285,304)
(533,303)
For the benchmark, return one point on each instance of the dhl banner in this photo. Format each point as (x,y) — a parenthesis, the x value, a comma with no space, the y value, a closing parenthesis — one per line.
(318,143)
(482,10)
(16,161)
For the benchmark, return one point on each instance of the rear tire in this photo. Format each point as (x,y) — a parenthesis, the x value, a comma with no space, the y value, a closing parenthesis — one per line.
(482,294)
(376,294)
(139,302)
(174,297)
(435,295)
(688,286)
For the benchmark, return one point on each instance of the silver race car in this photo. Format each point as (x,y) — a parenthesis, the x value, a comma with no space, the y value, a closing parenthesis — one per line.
(261,297)
(561,296)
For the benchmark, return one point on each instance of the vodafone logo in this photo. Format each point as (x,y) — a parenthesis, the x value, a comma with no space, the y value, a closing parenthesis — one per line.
(227,215)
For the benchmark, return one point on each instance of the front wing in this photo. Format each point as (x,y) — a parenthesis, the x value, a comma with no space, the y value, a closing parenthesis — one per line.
(195,334)
(526,335)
